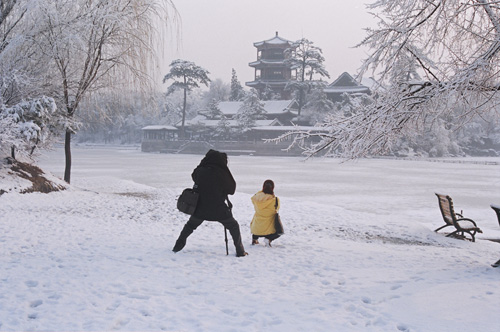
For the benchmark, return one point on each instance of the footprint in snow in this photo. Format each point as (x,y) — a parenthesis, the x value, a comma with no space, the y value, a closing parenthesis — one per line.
(394,287)
(31,283)
(36,303)
(366,300)
(404,328)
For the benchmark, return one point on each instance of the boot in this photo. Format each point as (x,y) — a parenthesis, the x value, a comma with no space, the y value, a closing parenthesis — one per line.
(181,241)
(234,230)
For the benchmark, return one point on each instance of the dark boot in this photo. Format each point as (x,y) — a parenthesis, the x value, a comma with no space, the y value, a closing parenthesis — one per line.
(234,230)
(181,241)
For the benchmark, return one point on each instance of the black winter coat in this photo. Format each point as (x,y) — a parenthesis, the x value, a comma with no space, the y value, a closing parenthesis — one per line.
(215,182)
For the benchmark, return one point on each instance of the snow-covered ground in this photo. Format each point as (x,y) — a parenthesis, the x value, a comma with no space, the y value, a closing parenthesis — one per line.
(359,253)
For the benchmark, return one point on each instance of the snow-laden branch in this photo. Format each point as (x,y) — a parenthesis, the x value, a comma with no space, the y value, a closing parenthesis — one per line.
(431,59)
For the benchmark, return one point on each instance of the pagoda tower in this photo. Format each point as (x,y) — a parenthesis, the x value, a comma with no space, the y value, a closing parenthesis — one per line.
(271,72)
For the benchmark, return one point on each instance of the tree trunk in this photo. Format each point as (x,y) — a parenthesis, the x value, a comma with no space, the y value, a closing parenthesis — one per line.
(67,152)
(301,100)
(183,133)
(301,88)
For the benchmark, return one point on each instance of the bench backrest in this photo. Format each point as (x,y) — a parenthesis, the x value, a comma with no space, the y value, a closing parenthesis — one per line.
(496,208)
(446,207)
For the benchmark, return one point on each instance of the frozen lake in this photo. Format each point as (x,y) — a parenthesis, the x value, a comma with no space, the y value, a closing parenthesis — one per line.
(381,186)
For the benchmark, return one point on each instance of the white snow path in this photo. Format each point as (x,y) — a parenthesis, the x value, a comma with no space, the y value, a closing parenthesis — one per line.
(98,256)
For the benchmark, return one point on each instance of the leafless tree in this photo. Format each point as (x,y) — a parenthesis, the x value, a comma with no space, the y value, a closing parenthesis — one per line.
(431,58)
(96,44)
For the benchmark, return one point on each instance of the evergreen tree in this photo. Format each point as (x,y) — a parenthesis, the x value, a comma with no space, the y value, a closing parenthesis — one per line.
(237,93)
(223,130)
(318,104)
(269,94)
(186,76)
(251,110)
(212,111)
(307,60)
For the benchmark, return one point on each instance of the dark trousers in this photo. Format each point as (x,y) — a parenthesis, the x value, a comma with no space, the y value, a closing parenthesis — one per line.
(231,224)
(270,237)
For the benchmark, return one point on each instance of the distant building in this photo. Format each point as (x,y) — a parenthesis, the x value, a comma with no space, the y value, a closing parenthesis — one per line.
(345,83)
(280,110)
(203,133)
(271,71)
(277,113)
(222,131)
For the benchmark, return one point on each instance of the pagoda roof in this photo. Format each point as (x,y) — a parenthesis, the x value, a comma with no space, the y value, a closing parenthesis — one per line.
(271,83)
(346,83)
(267,62)
(276,40)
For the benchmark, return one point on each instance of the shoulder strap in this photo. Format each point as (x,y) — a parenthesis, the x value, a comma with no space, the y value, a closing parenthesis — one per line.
(276,204)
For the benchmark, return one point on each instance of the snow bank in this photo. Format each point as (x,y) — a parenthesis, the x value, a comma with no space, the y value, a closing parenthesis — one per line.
(359,252)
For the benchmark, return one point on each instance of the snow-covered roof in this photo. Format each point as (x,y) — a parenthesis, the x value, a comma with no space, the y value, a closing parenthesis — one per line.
(291,128)
(346,83)
(159,127)
(276,40)
(347,89)
(279,106)
(201,120)
(272,107)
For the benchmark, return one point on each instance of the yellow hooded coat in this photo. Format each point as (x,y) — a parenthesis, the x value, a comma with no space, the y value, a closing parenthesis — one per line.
(263,219)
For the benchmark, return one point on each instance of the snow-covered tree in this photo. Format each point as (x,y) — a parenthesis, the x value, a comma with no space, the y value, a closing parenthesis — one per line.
(268,93)
(307,60)
(237,93)
(186,76)
(252,109)
(28,120)
(171,112)
(29,125)
(212,110)
(96,44)
(318,104)
(217,90)
(223,129)
(20,76)
(451,49)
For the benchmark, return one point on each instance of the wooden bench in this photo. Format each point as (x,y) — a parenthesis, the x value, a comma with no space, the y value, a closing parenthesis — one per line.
(462,225)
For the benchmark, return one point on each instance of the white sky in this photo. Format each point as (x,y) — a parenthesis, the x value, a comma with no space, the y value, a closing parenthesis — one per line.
(219,34)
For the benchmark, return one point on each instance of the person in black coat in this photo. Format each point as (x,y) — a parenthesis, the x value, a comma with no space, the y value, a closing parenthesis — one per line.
(214,182)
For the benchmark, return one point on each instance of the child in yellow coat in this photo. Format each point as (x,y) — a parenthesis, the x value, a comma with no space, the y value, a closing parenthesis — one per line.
(262,224)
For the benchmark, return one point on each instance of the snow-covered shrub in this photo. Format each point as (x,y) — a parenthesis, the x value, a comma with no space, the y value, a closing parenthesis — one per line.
(28,124)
